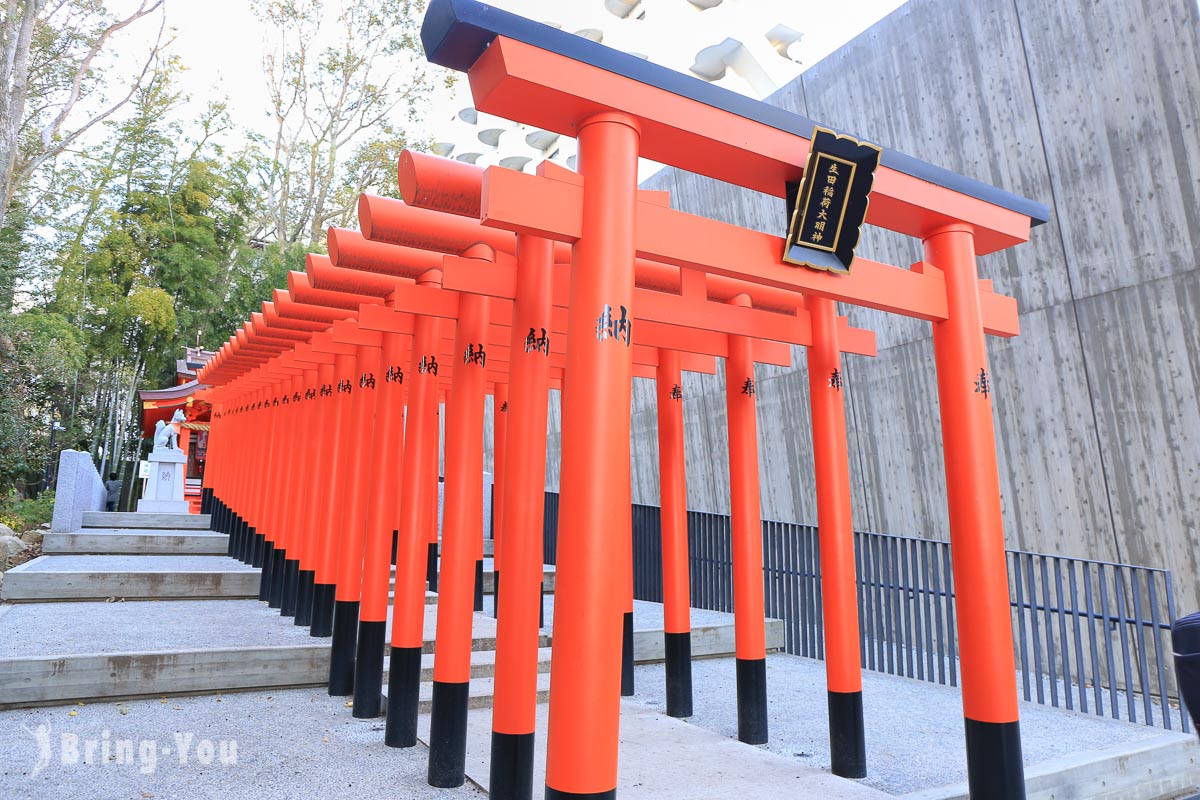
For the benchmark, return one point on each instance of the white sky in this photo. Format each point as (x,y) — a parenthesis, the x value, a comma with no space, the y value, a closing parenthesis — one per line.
(222,43)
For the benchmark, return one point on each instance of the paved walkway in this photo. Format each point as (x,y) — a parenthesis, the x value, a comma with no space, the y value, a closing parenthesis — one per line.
(914,729)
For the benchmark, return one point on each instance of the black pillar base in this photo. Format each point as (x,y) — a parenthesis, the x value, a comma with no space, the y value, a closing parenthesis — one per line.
(341,655)
(258,548)
(752,700)
(847,740)
(627,655)
(995,769)
(542,606)
(304,598)
(222,518)
(275,595)
(511,766)
(368,670)
(395,544)
(322,610)
(404,694)
(431,566)
(448,735)
(479,584)
(243,536)
(235,535)
(679,673)
(291,586)
(264,579)
(555,794)
(495,592)
(206,495)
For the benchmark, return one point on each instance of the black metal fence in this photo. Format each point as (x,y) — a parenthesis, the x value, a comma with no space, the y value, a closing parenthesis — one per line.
(1092,636)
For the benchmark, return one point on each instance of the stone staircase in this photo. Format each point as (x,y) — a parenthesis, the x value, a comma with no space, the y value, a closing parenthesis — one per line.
(147,605)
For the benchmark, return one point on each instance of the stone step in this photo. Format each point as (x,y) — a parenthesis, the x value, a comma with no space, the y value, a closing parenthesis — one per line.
(122,541)
(63,652)
(708,641)
(480,693)
(483,664)
(134,519)
(59,576)
(131,577)
(489,578)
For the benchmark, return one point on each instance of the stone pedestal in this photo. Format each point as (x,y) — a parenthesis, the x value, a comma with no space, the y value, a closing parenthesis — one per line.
(164,487)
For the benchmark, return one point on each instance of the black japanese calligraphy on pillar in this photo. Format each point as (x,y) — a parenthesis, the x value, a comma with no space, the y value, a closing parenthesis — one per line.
(344,385)
(295,397)
(428,364)
(504,406)
(748,387)
(537,344)
(474,354)
(367,380)
(835,380)
(394,375)
(677,392)
(620,329)
(983,385)
(827,209)
(327,390)
(276,403)
(309,394)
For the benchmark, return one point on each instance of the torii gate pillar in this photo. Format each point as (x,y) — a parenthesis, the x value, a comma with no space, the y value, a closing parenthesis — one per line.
(581,747)
(994,765)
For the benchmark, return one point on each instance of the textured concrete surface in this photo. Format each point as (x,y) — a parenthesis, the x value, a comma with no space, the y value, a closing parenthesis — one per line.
(134,519)
(1157,768)
(914,729)
(137,563)
(134,577)
(115,541)
(289,744)
(1092,109)
(78,490)
(43,629)
(661,757)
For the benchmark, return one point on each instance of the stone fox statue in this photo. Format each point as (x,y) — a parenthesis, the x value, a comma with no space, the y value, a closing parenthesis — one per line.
(164,434)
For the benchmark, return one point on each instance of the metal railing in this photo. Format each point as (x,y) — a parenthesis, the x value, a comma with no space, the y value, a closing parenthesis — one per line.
(1091,636)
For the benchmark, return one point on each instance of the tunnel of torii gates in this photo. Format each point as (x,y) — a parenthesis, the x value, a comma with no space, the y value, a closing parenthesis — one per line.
(493,281)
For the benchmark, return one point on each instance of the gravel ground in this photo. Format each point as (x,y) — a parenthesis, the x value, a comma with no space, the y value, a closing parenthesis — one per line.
(135,563)
(914,728)
(48,629)
(297,743)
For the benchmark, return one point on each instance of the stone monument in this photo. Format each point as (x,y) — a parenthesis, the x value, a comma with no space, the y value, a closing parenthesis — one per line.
(168,465)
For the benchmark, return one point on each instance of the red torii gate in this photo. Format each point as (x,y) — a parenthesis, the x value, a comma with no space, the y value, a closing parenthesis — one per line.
(618,108)
(450,186)
(351,250)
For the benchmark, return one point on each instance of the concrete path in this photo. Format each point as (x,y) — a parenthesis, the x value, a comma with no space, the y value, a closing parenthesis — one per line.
(279,745)
(915,741)
(661,757)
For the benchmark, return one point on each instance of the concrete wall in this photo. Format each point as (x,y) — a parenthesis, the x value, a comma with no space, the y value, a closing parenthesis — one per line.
(1093,108)
(78,489)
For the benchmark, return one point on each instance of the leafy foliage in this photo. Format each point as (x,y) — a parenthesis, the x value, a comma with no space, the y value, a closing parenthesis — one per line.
(121,247)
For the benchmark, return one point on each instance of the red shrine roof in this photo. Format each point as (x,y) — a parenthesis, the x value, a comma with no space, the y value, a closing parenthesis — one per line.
(162,403)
